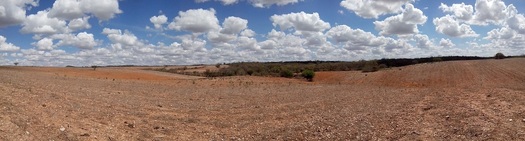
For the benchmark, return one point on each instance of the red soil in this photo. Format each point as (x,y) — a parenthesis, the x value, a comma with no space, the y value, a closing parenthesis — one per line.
(460,100)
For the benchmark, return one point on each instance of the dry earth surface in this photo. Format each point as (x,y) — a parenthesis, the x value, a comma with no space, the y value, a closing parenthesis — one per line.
(459,100)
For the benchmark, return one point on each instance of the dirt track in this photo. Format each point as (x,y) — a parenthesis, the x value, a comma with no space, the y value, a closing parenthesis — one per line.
(461,100)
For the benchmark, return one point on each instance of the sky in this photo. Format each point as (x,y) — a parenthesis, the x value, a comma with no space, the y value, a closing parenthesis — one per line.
(183,32)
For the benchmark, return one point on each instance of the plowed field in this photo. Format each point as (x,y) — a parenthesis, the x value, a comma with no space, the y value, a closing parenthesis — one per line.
(458,100)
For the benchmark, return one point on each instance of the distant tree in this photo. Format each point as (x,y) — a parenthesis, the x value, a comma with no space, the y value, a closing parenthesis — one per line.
(94,67)
(499,55)
(218,65)
(16,63)
(309,75)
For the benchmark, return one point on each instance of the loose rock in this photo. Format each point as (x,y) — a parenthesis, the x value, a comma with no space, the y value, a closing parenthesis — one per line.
(62,129)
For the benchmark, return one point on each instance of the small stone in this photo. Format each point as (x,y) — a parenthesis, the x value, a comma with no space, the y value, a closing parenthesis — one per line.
(523,120)
(131,125)
(510,119)
(85,135)
(62,129)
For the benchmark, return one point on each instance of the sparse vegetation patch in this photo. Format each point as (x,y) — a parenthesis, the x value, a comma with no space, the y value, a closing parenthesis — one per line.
(288,69)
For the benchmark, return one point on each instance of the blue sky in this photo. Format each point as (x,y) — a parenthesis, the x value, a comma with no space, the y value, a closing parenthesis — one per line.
(113,32)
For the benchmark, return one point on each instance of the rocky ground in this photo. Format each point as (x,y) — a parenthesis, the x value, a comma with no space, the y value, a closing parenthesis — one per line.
(459,100)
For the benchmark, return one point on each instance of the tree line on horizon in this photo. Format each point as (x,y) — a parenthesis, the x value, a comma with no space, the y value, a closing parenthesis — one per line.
(290,69)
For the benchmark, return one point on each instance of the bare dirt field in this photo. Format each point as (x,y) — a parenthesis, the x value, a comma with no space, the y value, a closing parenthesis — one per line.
(459,100)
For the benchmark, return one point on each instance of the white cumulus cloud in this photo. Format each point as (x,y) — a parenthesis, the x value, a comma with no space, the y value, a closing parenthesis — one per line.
(195,21)
(461,11)
(66,9)
(73,9)
(517,23)
(193,44)
(41,23)
(201,1)
(301,22)
(233,25)
(374,8)
(449,26)
(404,23)
(505,38)
(224,2)
(268,3)
(13,12)
(502,33)
(256,3)
(248,33)
(268,44)
(446,43)
(158,21)
(228,2)
(79,24)
(122,40)
(422,41)
(44,44)
(7,47)
(489,11)
(248,43)
(217,37)
(82,40)
(354,39)
(309,26)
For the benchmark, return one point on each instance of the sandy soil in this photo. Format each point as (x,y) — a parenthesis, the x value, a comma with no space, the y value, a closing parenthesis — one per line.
(460,100)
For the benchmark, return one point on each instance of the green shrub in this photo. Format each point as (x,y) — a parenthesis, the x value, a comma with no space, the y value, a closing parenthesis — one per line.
(308,74)
(275,69)
(286,73)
